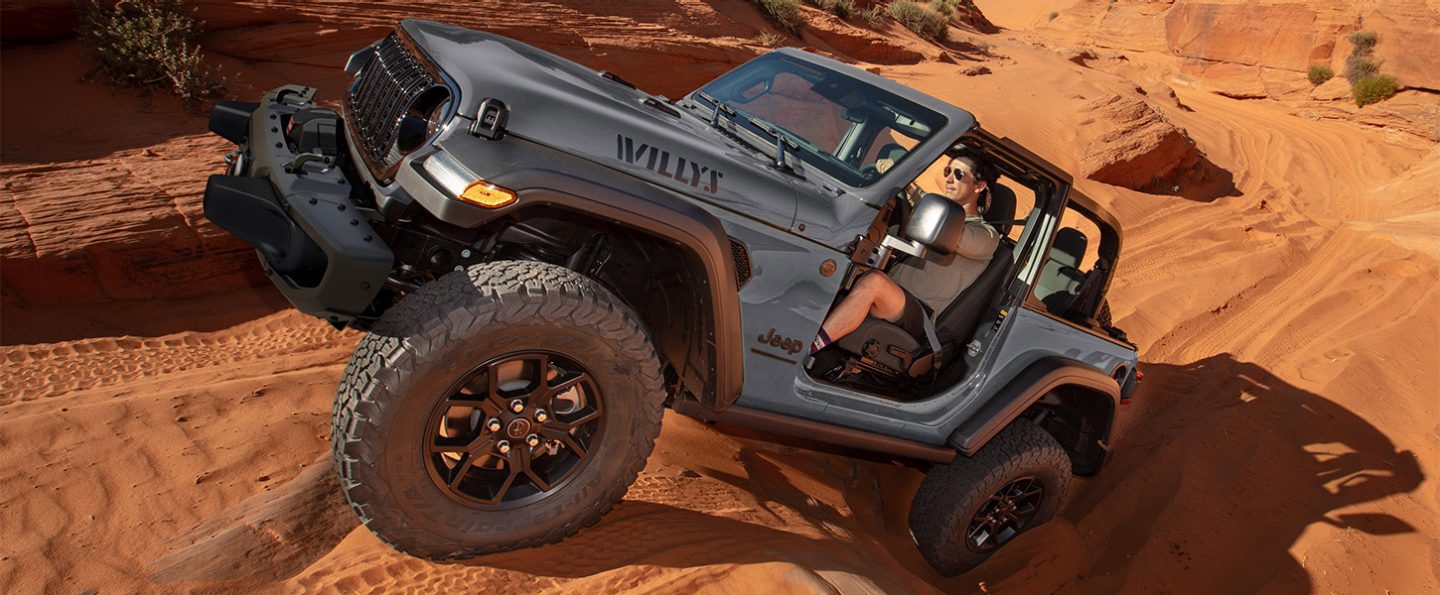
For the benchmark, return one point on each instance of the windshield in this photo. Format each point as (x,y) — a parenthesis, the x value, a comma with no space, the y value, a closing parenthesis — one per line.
(847,128)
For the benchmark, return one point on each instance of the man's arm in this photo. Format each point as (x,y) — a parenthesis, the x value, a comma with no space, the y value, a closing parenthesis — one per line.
(979,240)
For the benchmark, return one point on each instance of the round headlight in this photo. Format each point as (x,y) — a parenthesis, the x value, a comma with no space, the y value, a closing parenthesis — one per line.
(423,119)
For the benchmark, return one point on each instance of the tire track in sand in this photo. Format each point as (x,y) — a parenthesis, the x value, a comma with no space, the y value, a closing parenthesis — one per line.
(48,370)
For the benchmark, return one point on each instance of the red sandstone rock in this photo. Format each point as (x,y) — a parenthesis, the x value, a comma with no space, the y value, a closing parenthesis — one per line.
(970,17)
(37,20)
(861,44)
(1334,89)
(1134,145)
(1236,48)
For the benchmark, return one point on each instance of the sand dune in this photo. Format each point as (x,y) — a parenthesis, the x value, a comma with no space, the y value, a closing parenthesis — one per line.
(1287,307)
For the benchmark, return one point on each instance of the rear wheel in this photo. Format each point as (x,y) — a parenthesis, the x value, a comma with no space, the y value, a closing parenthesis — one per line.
(966,510)
(506,406)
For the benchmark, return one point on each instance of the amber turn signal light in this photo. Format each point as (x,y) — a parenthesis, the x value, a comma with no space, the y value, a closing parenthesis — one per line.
(487,195)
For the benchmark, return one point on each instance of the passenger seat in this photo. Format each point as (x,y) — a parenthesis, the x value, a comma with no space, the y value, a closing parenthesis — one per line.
(1061,277)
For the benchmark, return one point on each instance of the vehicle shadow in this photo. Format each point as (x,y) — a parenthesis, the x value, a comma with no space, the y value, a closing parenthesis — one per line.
(1218,468)
(641,533)
(1216,473)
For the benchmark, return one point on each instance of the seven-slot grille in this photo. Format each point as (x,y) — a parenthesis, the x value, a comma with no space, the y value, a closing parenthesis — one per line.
(379,100)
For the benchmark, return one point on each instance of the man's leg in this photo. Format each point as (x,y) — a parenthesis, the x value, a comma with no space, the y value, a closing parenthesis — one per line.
(874,295)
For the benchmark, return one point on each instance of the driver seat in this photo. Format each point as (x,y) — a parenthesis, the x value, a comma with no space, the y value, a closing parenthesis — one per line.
(898,352)
(886,348)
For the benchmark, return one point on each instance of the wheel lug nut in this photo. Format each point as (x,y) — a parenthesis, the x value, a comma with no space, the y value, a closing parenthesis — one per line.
(493,425)
(503,446)
(517,405)
(541,416)
(532,440)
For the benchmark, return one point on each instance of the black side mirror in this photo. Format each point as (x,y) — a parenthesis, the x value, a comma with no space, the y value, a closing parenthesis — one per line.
(937,222)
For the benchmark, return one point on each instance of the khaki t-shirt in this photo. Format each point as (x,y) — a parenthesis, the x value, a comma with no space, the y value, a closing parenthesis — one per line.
(938,279)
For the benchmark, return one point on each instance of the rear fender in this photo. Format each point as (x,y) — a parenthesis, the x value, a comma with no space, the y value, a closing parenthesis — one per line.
(1041,378)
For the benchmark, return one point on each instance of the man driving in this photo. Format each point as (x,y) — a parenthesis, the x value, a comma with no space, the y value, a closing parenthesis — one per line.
(917,288)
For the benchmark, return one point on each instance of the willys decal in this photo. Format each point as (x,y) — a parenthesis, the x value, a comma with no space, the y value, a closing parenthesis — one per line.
(685,171)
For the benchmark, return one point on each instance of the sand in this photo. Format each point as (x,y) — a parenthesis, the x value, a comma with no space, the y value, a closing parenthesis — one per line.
(1287,309)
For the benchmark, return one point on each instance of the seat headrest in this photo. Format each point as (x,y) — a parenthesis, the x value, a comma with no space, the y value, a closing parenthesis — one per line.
(1069,246)
(1002,208)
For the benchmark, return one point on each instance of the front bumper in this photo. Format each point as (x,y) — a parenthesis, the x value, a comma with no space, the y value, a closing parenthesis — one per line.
(291,200)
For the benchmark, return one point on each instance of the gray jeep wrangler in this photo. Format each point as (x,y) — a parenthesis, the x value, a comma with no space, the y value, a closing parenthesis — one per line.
(545,257)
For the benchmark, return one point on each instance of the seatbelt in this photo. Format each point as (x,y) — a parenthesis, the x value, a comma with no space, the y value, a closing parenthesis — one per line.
(931,335)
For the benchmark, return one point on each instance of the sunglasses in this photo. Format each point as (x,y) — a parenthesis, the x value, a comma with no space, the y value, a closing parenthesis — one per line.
(958,173)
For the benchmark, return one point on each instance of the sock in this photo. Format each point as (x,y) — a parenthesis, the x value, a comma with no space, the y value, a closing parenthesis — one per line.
(821,341)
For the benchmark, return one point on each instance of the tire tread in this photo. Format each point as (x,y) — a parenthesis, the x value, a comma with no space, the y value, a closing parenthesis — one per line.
(943,505)
(448,310)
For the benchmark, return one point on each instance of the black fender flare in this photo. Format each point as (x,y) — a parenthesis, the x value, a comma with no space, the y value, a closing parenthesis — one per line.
(542,176)
(1035,381)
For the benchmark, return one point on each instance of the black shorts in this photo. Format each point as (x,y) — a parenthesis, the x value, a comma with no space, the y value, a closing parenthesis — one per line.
(912,318)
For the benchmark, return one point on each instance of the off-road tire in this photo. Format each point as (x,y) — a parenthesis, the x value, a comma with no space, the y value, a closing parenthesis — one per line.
(431,338)
(951,494)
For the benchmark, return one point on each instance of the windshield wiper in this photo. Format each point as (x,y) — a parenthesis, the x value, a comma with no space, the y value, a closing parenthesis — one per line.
(719,108)
(732,114)
(781,140)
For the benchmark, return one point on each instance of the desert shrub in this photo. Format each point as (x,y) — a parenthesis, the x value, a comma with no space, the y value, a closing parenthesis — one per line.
(927,23)
(943,7)
(1373,89)
(1358,67)
(1364,42)
(785,13)
(839,8)
(149,44)
(770,39)
(1319,73)
(1052,16)
(875,15)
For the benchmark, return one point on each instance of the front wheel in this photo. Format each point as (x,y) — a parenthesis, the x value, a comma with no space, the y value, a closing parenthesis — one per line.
(967,509)
(503,407)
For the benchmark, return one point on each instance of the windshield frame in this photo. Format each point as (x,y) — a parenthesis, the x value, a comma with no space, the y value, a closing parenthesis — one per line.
(812,155)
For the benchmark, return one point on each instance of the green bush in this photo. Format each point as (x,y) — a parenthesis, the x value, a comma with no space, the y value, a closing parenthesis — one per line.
(839,8)
(1364,42)
(875,15)
(1357,67)
(1319,73)
(785,13)
(1373,89)
(943,8)
(149,44)
(927,23)
(770,39)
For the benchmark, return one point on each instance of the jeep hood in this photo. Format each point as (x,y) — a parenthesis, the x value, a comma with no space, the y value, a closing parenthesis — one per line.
(564,105)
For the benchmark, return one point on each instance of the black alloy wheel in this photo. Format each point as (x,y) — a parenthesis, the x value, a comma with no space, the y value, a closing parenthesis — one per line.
(968,509)
(1007,513)
(502,406)
(513,430)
